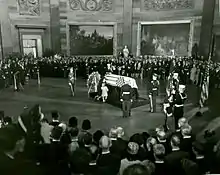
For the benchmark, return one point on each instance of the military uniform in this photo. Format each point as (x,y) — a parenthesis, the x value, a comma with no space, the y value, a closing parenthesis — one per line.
(168,110)
(71,82)
(126,99)
(153,92)
(178,103)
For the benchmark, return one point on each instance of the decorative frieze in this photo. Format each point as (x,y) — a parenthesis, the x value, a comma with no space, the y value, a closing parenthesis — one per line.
(167,4)
(91,5)
(29,7)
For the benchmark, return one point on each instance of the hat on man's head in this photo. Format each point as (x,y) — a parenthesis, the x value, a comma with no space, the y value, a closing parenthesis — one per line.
(133,148)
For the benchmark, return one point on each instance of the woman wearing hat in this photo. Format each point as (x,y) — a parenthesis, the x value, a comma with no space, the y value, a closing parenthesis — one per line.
(131,158)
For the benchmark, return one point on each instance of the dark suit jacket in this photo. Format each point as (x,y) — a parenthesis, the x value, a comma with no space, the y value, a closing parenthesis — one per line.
(58,158)
(18,166)
(108,164)
(119,147)
(186,144)
(160,169)
(173,162)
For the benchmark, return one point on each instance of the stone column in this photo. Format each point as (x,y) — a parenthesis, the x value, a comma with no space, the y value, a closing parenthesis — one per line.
(127,24)
(55,26)
(7,45)
(206,28)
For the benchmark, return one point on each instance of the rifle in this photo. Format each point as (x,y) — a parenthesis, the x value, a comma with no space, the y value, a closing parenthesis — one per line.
(151,101)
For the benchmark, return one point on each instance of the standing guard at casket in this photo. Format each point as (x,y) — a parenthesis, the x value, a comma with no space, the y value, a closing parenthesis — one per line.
(153,92)
(178,104)
(126,99)
(168,110)
(72,80)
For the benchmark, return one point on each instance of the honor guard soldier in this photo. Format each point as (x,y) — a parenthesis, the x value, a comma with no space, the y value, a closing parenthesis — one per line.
(175,81)
(126,99)
(178,102)
(71,82)
(154,87)
(168,111)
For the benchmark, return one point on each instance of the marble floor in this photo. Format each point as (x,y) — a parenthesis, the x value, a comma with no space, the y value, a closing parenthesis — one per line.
(53,94)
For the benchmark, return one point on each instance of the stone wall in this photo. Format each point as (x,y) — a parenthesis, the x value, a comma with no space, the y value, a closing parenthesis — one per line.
(18,19)
(55,15)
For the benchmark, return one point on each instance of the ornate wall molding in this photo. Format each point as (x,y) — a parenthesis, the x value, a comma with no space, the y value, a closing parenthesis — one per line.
(29,7)
(167,4)
(91,5)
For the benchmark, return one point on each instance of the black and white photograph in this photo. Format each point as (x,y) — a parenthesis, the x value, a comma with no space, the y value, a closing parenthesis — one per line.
(109,87)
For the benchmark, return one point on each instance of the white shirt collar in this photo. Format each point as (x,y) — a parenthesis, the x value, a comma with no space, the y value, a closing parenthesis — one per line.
(113,139)
(55,121)
(199,157)
(186,137)
(161,141)
(105,152)
(175,149)
(159,161)
(74,140)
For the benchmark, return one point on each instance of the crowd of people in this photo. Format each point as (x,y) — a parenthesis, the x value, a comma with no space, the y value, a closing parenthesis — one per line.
(34,145)
(191,70)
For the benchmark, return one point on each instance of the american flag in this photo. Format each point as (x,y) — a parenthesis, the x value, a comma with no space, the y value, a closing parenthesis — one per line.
(205,86)
(120,81)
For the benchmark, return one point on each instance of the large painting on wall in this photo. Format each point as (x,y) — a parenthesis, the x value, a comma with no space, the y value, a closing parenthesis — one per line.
(165,39)
(91,40)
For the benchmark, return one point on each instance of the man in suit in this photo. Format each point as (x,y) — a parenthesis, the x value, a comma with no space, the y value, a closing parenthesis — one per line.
(159,154)
(173,160)
(161,139)
(187,139)
(119,145)
(126,99)
(107,163)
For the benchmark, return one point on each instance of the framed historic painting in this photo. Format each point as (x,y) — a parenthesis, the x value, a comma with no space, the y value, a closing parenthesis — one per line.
(165,38)
(91,39)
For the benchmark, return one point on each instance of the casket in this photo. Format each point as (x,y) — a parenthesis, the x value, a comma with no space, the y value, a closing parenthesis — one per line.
(114,83)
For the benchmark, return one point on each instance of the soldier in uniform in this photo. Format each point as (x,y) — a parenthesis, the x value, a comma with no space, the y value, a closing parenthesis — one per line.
(168,110)
(71,82)
(178,102)
(153,92)
(126,99)
(173,83)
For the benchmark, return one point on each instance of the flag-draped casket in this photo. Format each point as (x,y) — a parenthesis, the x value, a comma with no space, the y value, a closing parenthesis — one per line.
(119,81)
(115,82)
